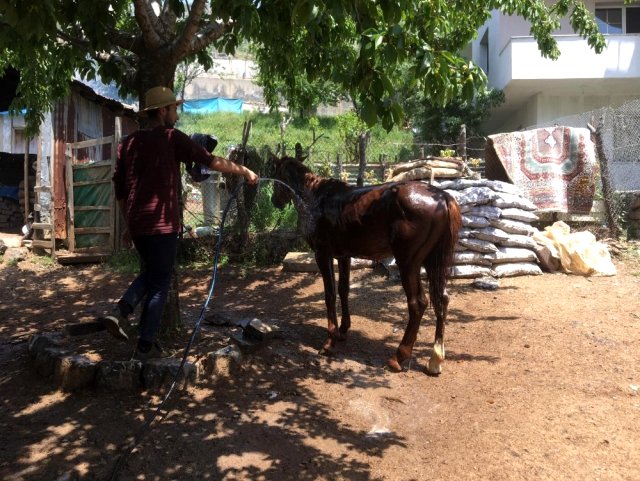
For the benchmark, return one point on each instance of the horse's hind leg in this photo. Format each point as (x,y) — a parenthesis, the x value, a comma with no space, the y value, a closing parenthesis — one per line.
(440,302)
(437,276)
(344,275)
(417,303)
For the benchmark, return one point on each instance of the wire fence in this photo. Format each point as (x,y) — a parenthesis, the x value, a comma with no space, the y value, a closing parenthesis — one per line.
(619,130)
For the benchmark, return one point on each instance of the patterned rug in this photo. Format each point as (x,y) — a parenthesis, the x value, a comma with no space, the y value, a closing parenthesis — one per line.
(555,167)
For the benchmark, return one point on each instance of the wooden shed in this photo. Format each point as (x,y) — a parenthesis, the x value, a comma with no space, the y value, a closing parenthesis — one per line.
(72,203)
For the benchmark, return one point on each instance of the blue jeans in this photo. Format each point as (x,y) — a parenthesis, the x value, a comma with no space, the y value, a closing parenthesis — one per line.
(158,256)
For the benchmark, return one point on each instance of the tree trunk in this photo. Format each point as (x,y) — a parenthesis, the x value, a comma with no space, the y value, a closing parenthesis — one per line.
(363,140)
(171,322)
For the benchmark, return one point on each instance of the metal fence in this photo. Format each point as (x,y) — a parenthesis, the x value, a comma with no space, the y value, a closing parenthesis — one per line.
(619,130)
(620,134)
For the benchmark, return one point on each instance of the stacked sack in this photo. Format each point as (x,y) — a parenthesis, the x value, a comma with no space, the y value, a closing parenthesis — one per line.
(428,168)
(495,238)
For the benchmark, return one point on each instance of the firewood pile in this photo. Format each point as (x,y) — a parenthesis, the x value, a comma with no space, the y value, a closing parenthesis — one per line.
(429,168)
(10,213)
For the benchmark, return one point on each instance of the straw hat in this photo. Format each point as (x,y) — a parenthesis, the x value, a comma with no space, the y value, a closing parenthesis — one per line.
(157,97)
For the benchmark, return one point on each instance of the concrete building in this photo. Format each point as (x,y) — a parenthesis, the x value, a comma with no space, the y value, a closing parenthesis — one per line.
(539,90)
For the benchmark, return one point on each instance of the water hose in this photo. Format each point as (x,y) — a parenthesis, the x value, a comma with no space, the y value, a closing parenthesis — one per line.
(214,277)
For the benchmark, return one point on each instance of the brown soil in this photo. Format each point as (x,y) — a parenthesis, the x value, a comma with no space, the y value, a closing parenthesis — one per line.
(541,382)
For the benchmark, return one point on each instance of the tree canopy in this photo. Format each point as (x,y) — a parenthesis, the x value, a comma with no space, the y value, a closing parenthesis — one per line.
(360,48)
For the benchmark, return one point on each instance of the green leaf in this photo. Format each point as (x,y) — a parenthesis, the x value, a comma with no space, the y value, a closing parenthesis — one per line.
(302,12)
(369,112)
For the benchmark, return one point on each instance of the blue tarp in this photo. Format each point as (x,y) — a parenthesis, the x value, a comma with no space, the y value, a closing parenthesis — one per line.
(207,106)
(8,191)
(6,112)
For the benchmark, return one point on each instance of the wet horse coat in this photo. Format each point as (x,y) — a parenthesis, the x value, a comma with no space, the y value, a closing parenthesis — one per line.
(412,221)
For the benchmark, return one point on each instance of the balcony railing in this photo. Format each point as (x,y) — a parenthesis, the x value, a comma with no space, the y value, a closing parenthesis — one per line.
(520,59)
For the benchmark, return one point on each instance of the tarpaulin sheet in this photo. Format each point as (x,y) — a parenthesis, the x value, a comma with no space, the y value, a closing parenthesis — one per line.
(207,106)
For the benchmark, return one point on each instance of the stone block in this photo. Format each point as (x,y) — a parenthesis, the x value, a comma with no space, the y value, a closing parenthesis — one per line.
(223,361)
(254,328)
(43,340)
(159,372)
(46,360)
(75,372)
(119,375)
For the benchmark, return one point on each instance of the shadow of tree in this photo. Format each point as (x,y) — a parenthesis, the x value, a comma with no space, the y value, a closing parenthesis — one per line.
(264,421)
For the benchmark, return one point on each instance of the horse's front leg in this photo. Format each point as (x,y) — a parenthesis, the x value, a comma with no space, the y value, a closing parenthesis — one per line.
(325,265)
(344,274)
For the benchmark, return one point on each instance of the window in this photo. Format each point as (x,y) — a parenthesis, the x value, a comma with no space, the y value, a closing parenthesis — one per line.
(609,20)
(633,19)
(618,20)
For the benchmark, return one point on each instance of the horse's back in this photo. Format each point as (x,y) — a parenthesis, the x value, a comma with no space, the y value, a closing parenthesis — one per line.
(372,221)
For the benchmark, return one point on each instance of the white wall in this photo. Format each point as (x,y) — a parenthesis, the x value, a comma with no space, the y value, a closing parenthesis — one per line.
(11,136)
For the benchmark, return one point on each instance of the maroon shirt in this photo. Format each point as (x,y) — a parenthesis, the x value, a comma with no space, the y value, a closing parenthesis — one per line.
(147,176)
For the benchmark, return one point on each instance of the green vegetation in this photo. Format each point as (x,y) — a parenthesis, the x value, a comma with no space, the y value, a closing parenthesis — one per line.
(308,52)
(124,261)
(332,135)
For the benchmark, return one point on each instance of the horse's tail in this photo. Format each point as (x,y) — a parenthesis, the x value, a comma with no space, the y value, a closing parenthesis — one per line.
(439,262)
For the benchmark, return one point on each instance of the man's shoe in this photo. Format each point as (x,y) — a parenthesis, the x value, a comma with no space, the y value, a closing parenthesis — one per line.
(156,352)
(115,323)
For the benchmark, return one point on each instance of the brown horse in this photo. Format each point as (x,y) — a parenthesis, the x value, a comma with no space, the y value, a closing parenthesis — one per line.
(412,221)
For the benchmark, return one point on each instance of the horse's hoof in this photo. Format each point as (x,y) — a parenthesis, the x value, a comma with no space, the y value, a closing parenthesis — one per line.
(394,365)
(435,367)
(437,358)
(327,348)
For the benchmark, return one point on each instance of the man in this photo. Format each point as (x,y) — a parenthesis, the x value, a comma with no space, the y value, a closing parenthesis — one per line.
(146,182)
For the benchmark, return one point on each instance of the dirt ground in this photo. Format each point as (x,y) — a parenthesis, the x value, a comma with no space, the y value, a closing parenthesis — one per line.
(541,382)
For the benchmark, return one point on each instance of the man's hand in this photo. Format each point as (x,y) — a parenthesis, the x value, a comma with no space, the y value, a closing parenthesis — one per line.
(251,177)
(126,239)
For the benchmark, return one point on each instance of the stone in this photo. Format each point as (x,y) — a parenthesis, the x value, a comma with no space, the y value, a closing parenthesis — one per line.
(75,372)
(223,362)
(158,372)
(306,262)
(254,328)
(83,328)
(119,375)
(487,283)
(46,360)
(40,341)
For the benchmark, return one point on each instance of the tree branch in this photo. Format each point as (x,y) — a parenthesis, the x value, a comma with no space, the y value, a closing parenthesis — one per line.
(148,22)
(181,46)
(80,43)
(127,41)
(207,35)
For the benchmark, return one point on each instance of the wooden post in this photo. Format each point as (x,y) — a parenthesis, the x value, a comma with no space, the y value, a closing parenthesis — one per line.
(596,135)
(26,180)
(462,143)
(338,166)
(115,223)
(68,163)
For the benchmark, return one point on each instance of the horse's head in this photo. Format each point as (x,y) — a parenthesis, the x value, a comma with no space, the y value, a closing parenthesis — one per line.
(287,170)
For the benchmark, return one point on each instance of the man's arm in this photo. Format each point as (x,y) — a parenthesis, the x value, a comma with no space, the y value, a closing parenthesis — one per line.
(226,166)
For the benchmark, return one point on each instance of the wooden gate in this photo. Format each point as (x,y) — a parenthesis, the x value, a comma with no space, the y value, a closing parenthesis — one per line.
(91,205)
